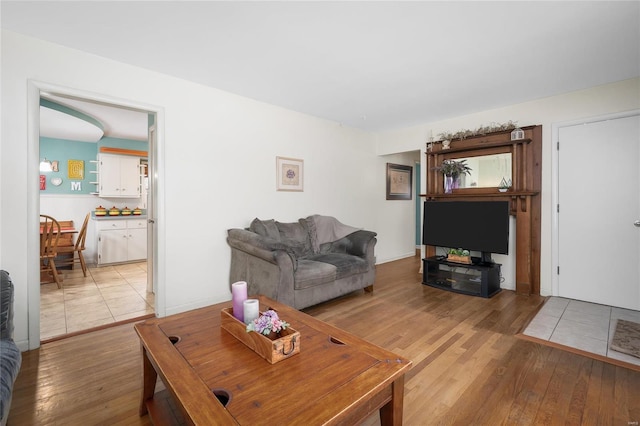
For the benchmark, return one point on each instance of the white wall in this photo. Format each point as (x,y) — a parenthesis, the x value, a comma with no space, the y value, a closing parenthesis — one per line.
(597,101)
(395,219)
(219,170)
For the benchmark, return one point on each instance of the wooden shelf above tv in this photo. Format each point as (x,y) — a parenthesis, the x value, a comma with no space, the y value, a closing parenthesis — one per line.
(484,144)
(458,193)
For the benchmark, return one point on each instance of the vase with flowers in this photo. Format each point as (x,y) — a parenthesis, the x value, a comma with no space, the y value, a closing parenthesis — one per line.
(452,170)
(268,324)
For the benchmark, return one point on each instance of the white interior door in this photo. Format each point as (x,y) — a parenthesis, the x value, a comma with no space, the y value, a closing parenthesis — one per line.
(599,201)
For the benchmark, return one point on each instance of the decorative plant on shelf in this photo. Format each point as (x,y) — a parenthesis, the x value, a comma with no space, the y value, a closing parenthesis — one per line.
(504,185)
(459,255)
(459,252)
(480,131)
(267,323)
(452,170)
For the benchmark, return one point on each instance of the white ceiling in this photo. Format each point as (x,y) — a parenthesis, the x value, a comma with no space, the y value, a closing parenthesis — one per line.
(116,122)
(371,65)
(60,125)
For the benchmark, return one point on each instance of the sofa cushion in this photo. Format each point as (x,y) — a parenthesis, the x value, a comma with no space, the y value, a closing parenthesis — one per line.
(311,273)
(346,264)
(266,228)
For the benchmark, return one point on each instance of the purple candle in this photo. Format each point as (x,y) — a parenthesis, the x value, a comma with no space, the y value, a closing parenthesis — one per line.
(238,296)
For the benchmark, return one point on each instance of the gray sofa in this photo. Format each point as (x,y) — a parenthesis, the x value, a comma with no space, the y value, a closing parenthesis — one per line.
(10,357)
(302,263)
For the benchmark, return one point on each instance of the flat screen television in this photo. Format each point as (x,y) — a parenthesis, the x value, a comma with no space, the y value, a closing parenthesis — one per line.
(472,225)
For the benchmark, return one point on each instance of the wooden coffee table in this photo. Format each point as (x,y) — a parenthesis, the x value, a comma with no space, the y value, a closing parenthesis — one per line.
(337,378)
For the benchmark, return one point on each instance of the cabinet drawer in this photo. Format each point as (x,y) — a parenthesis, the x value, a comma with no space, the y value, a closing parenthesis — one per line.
(136,224)
(104,225)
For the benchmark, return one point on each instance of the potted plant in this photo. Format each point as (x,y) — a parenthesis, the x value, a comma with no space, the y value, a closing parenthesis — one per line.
(452,170)
(504,185)
(268,324)
(459,255)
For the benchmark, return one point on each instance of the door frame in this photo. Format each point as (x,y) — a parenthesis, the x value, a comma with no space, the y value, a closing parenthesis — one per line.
(555,186)
(156,155)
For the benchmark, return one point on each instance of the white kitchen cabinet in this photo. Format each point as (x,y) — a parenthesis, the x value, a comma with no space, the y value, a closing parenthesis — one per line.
(118,176)
(121,240)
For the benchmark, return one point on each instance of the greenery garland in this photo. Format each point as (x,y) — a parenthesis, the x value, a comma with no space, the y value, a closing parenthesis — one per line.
(480,131)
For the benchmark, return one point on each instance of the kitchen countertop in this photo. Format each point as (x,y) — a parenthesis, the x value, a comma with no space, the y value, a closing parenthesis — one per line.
(119,217)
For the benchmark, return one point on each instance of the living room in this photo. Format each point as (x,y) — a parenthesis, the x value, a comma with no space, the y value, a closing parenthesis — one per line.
(216,164)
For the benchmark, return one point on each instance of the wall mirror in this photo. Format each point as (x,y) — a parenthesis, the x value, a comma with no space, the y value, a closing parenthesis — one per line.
(487,171)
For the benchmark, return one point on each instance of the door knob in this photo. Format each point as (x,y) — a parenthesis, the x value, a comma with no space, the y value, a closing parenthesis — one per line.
(636,223)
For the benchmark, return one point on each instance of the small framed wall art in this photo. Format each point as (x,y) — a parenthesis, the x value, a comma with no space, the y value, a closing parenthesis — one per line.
(75,169)
(399,182)
(289,174)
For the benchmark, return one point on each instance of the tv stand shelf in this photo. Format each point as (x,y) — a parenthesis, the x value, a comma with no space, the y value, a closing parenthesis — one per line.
(475,279)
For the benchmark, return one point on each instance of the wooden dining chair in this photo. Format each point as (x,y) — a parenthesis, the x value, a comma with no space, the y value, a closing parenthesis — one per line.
(49,234)
(78,248)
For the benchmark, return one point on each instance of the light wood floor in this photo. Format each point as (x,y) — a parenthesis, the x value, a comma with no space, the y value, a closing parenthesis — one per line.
(468,368)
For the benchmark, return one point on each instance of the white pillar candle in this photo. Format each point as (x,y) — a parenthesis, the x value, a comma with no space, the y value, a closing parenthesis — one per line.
(251,310)
(238,296)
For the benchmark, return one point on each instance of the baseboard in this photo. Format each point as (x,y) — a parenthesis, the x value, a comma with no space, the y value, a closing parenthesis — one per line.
(191,306)
(403,256)
(23,345)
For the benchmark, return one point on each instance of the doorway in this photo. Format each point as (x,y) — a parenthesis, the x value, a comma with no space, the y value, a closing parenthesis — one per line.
(33,205)
(598,198)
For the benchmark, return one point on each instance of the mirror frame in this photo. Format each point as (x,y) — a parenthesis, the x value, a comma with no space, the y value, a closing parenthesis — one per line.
(479,153)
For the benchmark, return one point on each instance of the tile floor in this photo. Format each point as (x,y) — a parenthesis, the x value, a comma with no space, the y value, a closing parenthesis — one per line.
(581,325)
(106,295)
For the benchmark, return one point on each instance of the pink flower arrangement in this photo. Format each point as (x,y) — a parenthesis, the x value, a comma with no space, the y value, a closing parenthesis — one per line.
(267,322)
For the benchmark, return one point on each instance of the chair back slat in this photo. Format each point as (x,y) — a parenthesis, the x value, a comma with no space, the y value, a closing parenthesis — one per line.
(67,252)
(82,236)
(49,236)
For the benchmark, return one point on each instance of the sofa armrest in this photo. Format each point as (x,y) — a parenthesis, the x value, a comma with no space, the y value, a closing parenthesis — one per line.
(253,250)
(264,264)
(262,247)
(6,306)
(359,242)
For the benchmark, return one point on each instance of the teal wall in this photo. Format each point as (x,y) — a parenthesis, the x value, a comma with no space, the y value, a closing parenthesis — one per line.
(63,150)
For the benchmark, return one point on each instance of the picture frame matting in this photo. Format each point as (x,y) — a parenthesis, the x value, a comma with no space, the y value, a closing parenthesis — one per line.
(399,182)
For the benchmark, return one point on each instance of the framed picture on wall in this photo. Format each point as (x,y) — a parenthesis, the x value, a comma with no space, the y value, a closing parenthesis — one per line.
(75,169)
(399,182)
(289,174)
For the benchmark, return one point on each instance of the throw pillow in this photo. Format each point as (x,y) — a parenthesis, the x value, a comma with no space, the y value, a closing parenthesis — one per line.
(266,228)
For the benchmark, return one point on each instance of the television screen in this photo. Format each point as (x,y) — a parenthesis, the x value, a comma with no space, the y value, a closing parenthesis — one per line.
(471,225)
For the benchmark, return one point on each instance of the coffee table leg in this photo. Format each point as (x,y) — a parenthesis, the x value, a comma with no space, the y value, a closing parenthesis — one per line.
(148,382)
(391,412)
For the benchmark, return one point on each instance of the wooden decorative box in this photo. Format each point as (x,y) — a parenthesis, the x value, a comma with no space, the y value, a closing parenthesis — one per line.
(459,259)
(272,350)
